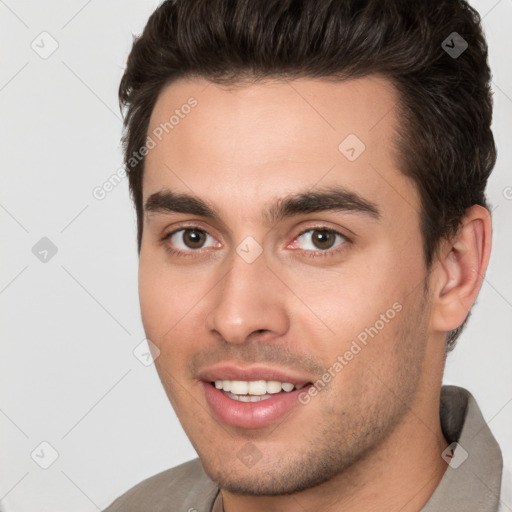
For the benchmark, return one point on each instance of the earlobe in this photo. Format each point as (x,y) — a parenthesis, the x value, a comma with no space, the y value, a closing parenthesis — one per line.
(461,269)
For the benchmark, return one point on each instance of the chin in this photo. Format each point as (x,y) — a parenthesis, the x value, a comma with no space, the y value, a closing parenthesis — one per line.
(275,478)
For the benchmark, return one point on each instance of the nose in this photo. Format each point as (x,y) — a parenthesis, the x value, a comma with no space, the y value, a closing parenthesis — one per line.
(249,299)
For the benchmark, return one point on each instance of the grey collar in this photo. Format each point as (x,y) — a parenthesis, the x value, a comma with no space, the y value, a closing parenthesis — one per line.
(472,480)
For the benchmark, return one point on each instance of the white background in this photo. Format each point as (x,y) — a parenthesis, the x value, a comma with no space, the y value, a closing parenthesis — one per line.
(69,326)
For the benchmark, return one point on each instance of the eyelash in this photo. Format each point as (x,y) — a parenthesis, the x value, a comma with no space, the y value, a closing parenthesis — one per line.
(309,254)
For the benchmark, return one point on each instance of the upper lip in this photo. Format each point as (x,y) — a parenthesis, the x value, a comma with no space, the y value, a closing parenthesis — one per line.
(250,373)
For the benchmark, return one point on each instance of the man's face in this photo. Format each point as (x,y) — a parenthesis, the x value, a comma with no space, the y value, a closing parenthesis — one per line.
(328,299)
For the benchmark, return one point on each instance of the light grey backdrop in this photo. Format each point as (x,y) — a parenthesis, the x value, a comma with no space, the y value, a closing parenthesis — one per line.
(70,319)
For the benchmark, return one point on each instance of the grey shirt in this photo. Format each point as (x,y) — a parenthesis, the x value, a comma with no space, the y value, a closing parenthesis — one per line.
(472,481)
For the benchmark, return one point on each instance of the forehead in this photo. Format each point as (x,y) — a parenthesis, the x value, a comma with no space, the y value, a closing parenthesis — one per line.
(267,139)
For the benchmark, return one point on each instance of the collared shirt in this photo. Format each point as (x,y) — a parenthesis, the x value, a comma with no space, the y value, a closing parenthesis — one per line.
(471,482)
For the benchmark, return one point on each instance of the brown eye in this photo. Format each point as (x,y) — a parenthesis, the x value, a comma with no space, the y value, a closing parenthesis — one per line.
(323,239)
(320,240)
(190,238)
(193,239)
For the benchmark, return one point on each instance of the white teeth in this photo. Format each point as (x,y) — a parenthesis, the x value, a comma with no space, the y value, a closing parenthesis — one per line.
(287,386)
(247,398)
(239,387)
(255,387)
(273,386)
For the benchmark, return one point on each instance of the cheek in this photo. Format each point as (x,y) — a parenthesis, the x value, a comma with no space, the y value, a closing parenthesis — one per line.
(353,298)
(165,295)
(369,316)
(173,303)
(382,362)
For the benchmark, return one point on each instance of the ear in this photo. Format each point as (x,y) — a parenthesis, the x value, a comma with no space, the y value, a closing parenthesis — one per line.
(460,270)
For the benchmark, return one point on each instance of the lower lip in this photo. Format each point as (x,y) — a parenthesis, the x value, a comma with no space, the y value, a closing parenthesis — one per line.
(251,414)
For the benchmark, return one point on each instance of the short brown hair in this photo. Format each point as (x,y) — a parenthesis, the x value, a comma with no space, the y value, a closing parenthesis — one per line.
(446,144)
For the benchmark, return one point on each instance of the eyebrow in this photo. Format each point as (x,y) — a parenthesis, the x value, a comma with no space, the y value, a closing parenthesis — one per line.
(302,202)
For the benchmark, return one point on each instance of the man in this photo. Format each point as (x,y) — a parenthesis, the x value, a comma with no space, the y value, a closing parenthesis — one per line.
(313,231)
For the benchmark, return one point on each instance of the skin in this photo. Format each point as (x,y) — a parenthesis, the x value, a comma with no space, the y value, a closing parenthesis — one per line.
(371,437)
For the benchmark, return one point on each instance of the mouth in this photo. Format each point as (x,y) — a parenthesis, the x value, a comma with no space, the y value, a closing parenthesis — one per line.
(251,398)
(254,390)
